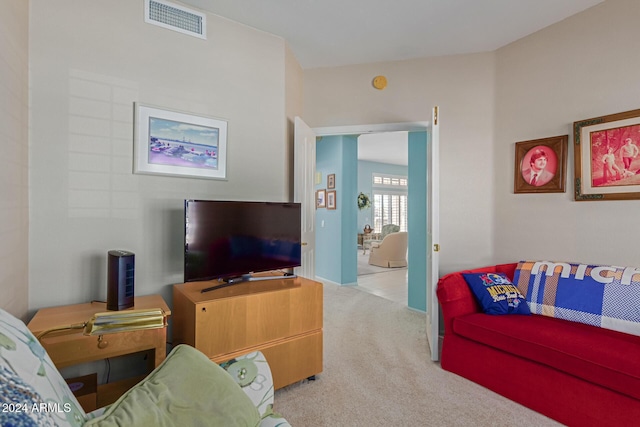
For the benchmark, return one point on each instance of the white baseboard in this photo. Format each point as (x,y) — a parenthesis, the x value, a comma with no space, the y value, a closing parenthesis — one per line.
(323,280)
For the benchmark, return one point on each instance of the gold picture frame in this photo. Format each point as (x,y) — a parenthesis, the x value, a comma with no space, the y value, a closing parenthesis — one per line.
(541,165)
(606,157)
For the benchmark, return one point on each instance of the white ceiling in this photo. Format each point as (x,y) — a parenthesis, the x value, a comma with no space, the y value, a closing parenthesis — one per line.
(329,33)
(390,147)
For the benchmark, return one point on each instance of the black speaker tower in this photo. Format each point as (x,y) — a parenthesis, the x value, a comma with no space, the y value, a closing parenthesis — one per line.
(120,279)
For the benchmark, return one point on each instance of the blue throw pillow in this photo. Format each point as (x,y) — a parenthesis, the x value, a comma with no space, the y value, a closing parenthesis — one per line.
(496,294)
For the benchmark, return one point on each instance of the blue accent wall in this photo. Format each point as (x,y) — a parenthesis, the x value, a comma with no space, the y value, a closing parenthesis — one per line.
(417,292)
(365,171)
(347,199)
(336,241)
(336,231)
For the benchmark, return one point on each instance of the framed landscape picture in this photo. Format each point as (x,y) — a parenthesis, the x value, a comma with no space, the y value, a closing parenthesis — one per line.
(607,157)
(179,144)
(540,165)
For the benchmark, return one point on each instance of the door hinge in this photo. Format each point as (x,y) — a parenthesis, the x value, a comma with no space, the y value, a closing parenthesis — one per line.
(435,115)
(436,247)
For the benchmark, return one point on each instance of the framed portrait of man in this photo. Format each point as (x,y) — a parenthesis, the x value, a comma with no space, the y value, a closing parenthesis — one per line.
(540,165)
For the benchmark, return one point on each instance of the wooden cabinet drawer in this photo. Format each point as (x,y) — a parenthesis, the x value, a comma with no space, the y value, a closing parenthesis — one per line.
(281,318)
(66,352)
(223,326)
(295,360)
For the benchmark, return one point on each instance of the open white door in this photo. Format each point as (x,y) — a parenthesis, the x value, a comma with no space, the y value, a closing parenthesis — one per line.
(433,235)
(304,148)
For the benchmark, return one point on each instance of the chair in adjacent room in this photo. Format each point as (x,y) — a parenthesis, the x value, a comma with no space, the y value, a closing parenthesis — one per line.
(391,251)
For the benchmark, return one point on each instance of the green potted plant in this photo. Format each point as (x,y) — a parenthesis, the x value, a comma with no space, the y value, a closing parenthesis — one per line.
(363,201)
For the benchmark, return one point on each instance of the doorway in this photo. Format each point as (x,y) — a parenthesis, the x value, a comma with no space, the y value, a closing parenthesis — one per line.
(422,288)
(382,168)
(337,243)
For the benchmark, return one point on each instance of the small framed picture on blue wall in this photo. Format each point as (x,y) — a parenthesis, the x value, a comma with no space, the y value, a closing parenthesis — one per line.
(331,181)
(321,199)
(331,199)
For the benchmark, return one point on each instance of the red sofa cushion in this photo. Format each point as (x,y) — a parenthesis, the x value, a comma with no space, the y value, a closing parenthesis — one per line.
(456,298)
(598,355)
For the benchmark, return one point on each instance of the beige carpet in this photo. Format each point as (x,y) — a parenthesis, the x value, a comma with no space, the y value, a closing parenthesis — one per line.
(377,372)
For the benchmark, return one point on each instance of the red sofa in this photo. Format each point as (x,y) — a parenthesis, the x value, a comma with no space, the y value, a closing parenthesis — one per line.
(577,374)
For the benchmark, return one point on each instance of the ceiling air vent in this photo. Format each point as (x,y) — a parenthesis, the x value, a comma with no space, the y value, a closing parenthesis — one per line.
(176,18)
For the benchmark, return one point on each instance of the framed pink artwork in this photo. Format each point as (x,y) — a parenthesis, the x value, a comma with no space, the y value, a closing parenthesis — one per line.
(607,157)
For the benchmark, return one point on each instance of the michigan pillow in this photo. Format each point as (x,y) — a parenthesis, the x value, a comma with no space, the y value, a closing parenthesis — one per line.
(606,296)
(496,294)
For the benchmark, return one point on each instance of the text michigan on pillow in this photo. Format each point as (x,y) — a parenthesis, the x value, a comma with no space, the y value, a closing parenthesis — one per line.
(583,270)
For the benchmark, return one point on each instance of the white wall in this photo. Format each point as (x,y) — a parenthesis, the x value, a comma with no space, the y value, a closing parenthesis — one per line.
(90,61)
(14,96)
(583,67)
(88,67)
(294,104)
(464,89)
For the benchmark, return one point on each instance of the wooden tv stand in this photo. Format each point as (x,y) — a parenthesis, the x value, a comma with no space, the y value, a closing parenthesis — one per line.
(280,317)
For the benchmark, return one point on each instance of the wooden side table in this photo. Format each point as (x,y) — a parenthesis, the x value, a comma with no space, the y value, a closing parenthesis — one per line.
(71,347)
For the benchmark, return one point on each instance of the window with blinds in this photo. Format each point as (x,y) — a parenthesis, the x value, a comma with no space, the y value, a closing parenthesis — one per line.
(390,181)
(389,201)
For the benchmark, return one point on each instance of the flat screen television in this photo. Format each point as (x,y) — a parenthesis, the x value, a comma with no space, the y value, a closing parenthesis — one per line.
(226,240)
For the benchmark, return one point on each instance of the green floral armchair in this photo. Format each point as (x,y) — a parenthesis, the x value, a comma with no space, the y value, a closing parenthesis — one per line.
(186,389)
(386,229)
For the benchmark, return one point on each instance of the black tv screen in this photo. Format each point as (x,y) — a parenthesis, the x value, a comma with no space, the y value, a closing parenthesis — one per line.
(226,239)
